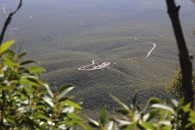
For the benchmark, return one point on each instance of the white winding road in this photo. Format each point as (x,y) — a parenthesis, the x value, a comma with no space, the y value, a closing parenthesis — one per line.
(151,50)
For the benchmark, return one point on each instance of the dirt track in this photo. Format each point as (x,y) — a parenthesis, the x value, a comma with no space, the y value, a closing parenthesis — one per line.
(151,50)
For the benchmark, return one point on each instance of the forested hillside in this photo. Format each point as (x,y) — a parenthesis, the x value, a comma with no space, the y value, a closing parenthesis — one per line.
(120,66)
(64,36)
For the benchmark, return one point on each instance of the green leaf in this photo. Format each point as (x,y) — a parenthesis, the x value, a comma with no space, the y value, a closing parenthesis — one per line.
(134,99)
(49,90)
(186,108)
(122,122)
(63,99)
(22,70)
(63,87)
(36,69)
(10,53)
(154,113)
(70,103)
(192,117)
(147,126)
(175,102)
(8,62)
(22,55)
(154,101)
(165,122)
(42,116)
(122,111)
(25,81)
(84,126)
(164,107)
(74,116)
(22,95)
(103,116)
(68,110)
(181,102)
(167,127)
(110,125)
(146,117)
(65,92)
(119,102)
(48,101)
(11,120)
(27,62)
(30,89)
(5,46)
(93,123)
(22,110)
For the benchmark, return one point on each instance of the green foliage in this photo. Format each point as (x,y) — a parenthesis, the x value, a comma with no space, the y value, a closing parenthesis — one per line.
(175,84)
(28,103)
(154,116)
(6,46)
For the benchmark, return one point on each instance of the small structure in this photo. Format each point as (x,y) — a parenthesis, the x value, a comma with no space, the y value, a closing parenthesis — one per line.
(92,66)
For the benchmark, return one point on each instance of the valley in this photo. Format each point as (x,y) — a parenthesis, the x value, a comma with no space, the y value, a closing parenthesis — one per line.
(101,47)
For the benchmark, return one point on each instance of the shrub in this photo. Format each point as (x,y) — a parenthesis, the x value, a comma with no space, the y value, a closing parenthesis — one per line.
(175,84)
(154,116)
(28,103)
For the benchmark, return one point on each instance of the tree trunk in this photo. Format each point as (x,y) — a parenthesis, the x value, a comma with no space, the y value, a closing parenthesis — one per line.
(184,58)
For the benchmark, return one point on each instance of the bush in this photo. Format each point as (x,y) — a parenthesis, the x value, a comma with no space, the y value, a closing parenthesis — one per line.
(175,84)
(28,103)
(154,116)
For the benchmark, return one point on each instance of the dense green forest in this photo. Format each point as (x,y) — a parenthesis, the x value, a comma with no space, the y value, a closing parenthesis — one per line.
(114,31)
(110,66)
